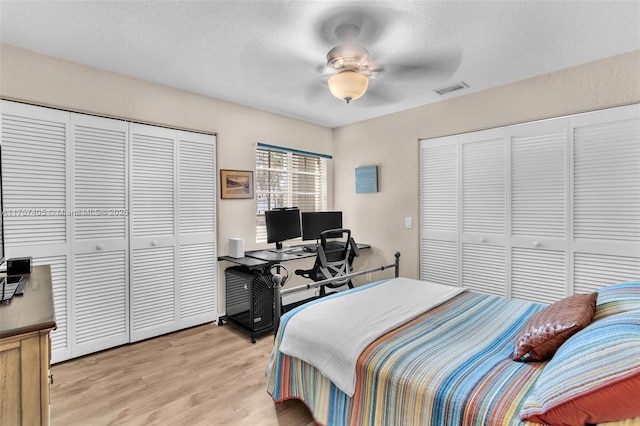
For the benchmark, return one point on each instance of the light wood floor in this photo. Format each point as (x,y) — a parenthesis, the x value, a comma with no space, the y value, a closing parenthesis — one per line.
(206,375)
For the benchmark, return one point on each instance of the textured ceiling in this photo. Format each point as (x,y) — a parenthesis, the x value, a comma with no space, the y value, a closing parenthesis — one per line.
(270,54)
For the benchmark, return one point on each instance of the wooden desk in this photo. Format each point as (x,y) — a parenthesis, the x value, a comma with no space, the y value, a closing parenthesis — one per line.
(25,352)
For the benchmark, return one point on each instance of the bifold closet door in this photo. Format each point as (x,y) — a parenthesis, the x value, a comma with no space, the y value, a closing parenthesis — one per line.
(197,288)
(99,221)
(154,261)
(439,227)
(173,254)
(606,197)
(538,210)
(35,178)
(483,202)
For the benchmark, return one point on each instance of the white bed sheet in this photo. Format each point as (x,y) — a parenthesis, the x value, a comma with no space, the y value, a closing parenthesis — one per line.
(331,333)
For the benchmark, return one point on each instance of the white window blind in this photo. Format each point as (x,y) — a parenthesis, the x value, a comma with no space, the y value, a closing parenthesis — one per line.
(288,178)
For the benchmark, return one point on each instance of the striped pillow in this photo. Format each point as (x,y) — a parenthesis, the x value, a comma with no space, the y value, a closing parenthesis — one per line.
(594,376)
(617,298)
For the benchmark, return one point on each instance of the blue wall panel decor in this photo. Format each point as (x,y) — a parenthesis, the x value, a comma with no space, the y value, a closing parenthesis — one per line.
(366,179)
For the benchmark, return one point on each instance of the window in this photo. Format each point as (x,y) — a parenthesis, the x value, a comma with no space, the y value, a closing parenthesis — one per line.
(288,178)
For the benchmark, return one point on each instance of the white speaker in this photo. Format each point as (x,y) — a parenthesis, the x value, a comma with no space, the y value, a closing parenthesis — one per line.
(236,247)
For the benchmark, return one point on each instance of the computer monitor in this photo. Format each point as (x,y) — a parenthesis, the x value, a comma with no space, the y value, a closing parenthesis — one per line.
(282,224)
(313,223)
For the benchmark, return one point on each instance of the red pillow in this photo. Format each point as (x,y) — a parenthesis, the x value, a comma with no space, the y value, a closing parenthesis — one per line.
(545,331)
(593,378)
(613,402)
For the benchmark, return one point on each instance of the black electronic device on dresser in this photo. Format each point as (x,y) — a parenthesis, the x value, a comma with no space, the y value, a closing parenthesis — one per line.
(249,300)
(15,283)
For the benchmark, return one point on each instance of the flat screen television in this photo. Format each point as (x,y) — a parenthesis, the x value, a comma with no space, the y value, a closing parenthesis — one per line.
(314,223)
(282,225)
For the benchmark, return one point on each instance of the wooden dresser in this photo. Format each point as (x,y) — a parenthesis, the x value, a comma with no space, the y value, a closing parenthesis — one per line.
(25,352)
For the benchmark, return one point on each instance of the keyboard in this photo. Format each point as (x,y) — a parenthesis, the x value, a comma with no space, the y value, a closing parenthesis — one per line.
(22,287)
(8,290)
(14,285)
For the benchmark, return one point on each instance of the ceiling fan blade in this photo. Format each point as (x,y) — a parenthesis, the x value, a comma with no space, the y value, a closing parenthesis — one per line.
(372,19)
(281,64)
(369,25)
(434,66)
(316,91)
(311,90)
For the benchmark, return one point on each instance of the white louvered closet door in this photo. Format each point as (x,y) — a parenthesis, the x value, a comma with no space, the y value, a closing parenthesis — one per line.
(606,197)
(439,211)
(539,210)
(483,211)
(197,286)
(99,221)
(153,231)
(35,180)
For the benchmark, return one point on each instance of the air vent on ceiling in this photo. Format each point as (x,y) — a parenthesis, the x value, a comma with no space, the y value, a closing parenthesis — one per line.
(457,86)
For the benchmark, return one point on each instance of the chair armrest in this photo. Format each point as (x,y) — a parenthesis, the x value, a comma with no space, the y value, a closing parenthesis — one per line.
(354,247)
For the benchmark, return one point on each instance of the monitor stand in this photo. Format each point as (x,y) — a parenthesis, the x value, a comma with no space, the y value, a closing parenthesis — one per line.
(279,248)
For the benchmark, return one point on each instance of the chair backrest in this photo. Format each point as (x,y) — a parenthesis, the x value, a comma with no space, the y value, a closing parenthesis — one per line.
(335,255)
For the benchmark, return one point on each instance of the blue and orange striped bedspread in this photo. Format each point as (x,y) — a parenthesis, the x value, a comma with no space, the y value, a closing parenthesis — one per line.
(449,366)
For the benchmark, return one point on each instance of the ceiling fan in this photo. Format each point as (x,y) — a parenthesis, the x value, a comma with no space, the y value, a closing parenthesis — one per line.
(351,65)
(345,36)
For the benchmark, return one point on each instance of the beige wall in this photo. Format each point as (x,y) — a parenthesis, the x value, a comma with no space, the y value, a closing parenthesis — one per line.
(391,142)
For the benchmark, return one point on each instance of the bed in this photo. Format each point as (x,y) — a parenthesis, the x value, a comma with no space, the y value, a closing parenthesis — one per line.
(451,362)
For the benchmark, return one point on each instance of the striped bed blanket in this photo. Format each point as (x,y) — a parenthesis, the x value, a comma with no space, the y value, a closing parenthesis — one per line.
(449,366)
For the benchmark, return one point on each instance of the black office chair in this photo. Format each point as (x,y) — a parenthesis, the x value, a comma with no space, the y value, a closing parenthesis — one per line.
(334,258)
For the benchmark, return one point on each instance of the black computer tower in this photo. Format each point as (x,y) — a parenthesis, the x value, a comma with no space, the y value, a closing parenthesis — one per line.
(249,299)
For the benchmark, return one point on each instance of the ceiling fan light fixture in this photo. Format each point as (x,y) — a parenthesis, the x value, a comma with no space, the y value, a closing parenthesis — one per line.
(348,85)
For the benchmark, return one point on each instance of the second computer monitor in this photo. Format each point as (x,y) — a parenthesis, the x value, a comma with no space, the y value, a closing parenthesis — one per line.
(313,223)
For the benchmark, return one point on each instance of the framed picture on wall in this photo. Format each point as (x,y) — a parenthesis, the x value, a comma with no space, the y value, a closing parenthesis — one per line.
(236,184)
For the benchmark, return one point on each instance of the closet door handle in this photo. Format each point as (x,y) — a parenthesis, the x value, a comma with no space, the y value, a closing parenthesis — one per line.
(99,246)
(537,244)
(483,240)
(154,243)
